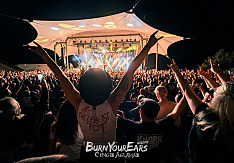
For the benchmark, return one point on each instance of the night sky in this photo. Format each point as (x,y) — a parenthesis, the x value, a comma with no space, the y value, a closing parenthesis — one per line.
(209,24)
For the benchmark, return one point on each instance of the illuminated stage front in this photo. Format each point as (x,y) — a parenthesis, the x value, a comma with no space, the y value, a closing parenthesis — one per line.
(108,60)
(100,52)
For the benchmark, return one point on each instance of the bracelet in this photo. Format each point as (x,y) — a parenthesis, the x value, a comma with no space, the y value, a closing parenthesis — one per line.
(219,71)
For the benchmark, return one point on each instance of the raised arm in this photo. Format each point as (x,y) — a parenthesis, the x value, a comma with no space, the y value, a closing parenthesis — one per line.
(118,94)
(70,91)
(208,78)
(179,108)
(193,100)
(216,69)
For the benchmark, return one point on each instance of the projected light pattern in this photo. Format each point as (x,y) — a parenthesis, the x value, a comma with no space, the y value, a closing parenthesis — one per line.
(110,60)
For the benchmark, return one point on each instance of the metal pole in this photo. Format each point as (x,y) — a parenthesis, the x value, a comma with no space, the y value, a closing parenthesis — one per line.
(138,34)
(147,57)
(156,58)
(55,59)
(142,45)
(66,54)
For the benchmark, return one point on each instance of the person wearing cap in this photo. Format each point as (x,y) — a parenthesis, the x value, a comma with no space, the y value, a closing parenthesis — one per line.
(156,133)
(95,102)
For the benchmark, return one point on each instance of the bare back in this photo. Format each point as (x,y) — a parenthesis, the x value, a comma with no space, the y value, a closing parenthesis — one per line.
(166,107)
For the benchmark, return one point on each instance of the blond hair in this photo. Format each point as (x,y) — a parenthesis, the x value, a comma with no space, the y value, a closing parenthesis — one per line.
(223,103)
(161,90)
(221,111)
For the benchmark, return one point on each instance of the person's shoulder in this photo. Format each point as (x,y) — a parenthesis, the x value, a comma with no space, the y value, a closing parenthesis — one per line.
(126,124)
(166,103)
(171,103)
(167,120)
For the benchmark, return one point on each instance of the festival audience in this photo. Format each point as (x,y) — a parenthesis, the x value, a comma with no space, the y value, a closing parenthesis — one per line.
(157,134)
(25,102)
(95,102)
(18,132)
(210,139)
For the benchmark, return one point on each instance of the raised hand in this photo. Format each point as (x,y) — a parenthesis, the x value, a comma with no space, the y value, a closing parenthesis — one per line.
(214,68)
(206,75)
(173,66)
(38,49)
(153,40)
(193,86)
(44,84)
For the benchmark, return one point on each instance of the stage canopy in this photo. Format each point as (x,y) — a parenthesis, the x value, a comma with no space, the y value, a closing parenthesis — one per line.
(125,26)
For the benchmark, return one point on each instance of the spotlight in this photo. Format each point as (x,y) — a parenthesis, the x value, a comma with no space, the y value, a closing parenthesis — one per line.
(82,26)
(130,25)
(103,51)
(96,25)
(110,25)
(54,28)
(106,41)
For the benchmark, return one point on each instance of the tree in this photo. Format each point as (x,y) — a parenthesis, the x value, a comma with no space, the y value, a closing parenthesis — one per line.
(224,58)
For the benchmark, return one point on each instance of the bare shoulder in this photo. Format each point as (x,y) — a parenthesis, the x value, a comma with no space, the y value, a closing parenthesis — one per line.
(163,103)
(172,103)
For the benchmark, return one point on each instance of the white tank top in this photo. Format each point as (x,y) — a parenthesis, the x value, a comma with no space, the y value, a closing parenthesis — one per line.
(98,126)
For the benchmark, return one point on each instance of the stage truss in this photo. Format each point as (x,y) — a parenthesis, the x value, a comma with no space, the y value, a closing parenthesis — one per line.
(109,52)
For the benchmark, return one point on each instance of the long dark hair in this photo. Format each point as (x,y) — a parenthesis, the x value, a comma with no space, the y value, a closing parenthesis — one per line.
(65,125)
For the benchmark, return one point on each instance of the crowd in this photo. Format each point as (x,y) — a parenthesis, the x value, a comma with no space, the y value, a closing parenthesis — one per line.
(181,115)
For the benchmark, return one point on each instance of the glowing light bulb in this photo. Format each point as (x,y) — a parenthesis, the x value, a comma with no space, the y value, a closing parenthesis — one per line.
(82,26)
(110,25)
(130,25)
(96,25)
(54,28)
